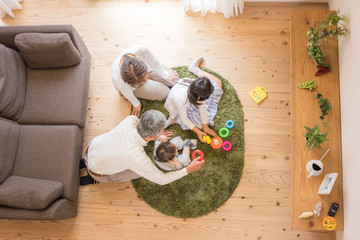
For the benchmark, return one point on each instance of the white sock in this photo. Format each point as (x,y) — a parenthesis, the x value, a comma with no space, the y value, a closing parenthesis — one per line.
(196,64)
(195,71)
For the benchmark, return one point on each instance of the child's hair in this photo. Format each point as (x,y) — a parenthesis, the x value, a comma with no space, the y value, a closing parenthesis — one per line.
(166,151)
(200,90)
(133,71)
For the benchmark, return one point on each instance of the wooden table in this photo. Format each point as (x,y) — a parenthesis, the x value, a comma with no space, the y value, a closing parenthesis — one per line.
(306,112)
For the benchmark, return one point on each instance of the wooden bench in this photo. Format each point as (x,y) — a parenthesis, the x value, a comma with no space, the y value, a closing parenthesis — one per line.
(306,112)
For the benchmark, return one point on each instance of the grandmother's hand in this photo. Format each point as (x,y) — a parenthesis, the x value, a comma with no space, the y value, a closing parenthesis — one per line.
(136,110)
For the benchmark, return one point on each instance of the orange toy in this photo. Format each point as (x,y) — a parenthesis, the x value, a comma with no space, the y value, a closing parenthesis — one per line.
(216,143)
(329,223)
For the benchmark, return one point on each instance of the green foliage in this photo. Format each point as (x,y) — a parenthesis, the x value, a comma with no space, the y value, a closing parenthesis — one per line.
(334,19)
(333,27)
(316,53)
(324,106)
(314,138)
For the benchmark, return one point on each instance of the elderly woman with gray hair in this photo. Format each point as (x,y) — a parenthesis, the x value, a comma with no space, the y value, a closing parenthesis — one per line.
(119,155)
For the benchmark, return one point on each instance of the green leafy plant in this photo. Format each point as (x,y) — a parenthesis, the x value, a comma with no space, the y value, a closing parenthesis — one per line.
(314,138)
(314,50)
(324,106)
(333,27)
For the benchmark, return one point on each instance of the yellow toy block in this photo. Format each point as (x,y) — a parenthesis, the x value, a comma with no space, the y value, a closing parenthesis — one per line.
(258,94)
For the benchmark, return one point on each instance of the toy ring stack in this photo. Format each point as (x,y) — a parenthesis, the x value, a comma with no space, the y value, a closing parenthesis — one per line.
(329,223)
(227,146)
(224,135)
(229,124)
(216,142)
(197,151)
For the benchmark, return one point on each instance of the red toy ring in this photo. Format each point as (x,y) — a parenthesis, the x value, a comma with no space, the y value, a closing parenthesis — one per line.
(227,146)
(198,152)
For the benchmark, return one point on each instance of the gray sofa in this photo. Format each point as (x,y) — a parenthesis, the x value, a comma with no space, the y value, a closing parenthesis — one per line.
(44,82)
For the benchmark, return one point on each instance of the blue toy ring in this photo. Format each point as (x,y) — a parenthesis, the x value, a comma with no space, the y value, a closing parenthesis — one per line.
(224,135)
(230,124)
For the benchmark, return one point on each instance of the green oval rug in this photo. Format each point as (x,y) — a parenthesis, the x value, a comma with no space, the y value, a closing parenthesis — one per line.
(204,191)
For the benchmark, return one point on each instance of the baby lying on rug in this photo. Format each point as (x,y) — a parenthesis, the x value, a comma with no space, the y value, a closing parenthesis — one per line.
(166,153)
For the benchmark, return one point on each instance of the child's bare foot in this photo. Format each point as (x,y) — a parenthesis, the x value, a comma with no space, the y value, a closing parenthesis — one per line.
(194,67)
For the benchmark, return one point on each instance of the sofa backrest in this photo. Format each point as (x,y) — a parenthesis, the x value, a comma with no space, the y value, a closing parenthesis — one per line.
(66,101)
(8,33)
(12,83)
(9,140)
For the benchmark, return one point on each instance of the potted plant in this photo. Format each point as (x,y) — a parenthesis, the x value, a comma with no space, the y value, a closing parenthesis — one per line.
(314,138)
(333,27)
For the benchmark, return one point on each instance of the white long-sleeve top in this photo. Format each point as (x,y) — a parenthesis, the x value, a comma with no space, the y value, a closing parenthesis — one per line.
(177,103)
(155,68)
(123,148)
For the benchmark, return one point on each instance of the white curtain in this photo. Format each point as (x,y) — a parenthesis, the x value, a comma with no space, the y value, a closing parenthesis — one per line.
(6,7)
(229,8)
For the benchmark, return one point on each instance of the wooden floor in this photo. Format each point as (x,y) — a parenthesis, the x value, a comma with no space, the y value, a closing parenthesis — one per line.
(250,50)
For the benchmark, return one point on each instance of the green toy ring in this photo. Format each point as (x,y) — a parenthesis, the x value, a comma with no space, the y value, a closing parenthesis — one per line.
(224,135)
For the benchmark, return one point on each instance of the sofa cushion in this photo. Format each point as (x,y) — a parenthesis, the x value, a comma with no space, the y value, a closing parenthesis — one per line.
(29,193)
(57,96)
(12,83)
(9,139)
(50,152)
(47,50)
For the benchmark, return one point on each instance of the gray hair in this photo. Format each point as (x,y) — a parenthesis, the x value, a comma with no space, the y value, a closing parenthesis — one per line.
(152,122)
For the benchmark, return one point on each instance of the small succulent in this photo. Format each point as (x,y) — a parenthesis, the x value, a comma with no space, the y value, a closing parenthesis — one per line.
(314,138)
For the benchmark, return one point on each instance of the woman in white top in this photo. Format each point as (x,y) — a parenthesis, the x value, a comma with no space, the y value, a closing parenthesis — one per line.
(136,73)
(192,103)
